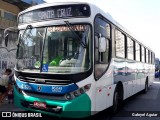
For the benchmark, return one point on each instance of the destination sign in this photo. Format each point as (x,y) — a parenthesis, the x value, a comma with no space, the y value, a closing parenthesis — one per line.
(55,12)
(65,28)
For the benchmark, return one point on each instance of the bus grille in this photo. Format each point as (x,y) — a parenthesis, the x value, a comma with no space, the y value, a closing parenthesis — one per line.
(44,81)
(44,95)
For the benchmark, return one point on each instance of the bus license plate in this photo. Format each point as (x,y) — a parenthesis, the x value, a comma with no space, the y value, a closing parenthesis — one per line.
(39,104)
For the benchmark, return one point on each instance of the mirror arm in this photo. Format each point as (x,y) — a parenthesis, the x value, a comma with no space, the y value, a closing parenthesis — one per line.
(6,36)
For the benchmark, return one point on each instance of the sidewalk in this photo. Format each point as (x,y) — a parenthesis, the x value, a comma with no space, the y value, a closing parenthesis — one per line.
(9,107)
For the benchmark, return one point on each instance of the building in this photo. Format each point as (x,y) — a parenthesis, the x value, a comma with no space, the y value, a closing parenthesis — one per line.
(9,10)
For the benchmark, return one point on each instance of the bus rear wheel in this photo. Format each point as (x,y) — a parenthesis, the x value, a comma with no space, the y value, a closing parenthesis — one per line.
(146,87)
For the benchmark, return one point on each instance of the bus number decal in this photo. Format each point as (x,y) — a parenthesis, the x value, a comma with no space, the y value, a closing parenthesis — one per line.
(26,87)
(56,89)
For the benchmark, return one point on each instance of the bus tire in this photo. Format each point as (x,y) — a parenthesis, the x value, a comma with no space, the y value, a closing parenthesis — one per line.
(146,87)
(117,101)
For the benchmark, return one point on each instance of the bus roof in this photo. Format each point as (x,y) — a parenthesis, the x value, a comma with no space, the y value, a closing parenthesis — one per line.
(94,8)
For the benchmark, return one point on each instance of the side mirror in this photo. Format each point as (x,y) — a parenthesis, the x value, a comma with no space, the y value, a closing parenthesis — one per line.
(17,42)
(7,34)
(6,39)
(102,44)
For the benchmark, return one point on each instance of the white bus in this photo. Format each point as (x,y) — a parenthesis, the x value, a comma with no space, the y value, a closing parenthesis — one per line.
(74,60)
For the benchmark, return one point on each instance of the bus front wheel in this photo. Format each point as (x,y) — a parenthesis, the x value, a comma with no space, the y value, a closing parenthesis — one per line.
(116,101)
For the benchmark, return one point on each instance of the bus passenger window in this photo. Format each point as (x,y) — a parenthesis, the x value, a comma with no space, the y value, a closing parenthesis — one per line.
(142,54)
(120,44)
(146,56)
(137,52)
(130,45)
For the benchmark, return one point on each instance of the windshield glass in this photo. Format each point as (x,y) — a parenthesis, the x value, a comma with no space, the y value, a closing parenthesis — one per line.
(63,50)
(60,49)
(29,49)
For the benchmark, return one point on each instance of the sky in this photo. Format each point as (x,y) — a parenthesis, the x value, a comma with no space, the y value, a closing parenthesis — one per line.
(140,17)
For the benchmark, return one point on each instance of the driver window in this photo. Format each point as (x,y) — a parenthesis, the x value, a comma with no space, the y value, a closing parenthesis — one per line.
(96,49)
(102,29)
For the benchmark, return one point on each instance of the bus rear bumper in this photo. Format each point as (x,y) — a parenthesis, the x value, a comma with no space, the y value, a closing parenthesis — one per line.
(77,108)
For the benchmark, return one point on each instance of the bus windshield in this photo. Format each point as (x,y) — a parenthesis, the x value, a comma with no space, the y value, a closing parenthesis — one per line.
(30,48)
(55,49)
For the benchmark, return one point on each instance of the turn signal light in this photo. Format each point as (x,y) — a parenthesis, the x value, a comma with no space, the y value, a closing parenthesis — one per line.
(78,92)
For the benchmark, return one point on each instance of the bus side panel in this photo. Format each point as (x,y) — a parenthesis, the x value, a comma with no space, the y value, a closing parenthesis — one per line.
(143,77)
(152,73)
(120,75)
(92,92)
(130,75)
(105,90)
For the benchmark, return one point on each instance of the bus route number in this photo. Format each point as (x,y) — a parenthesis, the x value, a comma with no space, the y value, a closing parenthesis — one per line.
(56,89)
(26,87)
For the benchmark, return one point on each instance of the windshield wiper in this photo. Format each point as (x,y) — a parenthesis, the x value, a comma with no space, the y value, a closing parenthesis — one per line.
(75,34)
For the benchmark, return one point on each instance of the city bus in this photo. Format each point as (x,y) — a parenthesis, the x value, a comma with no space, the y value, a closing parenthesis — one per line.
(74,60)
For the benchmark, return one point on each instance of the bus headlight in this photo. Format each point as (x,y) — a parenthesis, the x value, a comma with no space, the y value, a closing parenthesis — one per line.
(81,90)
(18,89)
(78,92)
(68,96)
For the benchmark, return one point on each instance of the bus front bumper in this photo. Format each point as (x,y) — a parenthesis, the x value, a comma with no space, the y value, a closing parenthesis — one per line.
(76,108)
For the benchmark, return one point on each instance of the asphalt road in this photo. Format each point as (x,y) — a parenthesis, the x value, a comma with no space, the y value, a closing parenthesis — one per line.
(145,105)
